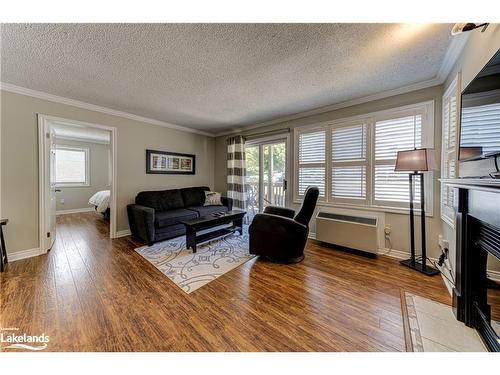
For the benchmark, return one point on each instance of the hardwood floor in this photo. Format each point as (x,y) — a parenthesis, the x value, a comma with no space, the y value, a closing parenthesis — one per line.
(90,293)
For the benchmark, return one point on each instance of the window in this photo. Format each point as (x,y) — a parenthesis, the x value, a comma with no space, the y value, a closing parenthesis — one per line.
(361,155)
(72,166)
(312,161)
(480,123)
(393,135)
(449,151)
(349,163)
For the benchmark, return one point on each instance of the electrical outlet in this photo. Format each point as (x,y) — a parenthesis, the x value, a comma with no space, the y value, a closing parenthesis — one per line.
(62,200)
(443,243)
(387,229)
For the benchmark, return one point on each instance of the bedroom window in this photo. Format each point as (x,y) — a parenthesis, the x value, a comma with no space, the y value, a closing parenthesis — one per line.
(352,160)
(72,166)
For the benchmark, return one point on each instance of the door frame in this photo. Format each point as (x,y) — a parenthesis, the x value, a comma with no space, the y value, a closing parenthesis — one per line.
(270,140)
(44,122)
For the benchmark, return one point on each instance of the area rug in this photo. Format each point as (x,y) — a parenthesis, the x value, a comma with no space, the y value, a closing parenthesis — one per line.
(192,271)
(431,326)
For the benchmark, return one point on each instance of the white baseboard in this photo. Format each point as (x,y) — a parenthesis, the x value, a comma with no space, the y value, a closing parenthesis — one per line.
(123,233)
(23,254)
(312,235)
(444,270)
(398,254)
(75,211)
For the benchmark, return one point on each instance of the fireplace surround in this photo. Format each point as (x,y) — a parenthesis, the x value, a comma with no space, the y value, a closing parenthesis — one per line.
(478,236)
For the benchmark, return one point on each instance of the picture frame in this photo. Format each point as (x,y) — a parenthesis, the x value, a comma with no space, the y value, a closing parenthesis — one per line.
(165,162)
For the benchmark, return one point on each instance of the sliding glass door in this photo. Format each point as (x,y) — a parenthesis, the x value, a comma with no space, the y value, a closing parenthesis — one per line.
(266,174)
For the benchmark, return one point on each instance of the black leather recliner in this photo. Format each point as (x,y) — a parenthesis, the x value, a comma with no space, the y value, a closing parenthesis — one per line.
(279,234)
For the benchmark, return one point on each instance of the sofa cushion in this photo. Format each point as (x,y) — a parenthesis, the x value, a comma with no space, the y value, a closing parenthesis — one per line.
(207,210)
(173,198)
(194,196)
(160,200)
(172,217)
(212,198)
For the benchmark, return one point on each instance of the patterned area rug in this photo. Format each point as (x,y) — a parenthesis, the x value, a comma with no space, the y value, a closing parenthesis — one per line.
(191,271)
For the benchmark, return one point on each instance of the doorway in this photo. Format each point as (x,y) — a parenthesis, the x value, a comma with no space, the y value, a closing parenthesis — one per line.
(75,158)
(266,179)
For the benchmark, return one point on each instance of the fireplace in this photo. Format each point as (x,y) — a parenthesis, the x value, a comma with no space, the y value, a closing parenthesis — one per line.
(476,297)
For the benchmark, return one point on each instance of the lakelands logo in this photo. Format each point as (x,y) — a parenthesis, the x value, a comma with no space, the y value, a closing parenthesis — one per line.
(13,340)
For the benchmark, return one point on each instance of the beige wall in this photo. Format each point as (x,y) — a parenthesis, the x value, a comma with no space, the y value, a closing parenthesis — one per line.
(78,197)
(479,49)
(19,161)
(399,222)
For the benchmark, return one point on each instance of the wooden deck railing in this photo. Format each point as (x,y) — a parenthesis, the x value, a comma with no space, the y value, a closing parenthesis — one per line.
(273,195)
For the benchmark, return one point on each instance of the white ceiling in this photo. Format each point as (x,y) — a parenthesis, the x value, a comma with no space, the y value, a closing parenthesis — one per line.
(215,77)
(81,133)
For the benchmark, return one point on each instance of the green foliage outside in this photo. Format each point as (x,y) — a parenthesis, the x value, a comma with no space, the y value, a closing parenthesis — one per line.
(252,160)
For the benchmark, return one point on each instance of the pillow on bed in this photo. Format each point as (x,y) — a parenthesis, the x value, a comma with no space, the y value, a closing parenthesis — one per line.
(212,199)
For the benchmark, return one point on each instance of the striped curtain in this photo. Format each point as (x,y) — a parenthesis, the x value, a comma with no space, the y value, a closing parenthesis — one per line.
(236,172)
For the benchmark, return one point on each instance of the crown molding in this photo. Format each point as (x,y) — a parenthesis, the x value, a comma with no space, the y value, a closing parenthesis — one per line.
(454,50)
(96,108)
(349,103)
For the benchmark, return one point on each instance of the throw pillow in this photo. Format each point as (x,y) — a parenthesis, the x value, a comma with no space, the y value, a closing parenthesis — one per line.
(212,199)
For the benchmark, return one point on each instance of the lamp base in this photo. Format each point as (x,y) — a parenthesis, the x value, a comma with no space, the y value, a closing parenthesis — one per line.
(417,266)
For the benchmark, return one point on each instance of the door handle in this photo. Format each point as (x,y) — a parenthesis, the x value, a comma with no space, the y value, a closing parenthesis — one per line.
(57,190)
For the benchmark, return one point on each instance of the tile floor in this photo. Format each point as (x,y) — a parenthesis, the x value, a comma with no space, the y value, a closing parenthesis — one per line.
(440,331)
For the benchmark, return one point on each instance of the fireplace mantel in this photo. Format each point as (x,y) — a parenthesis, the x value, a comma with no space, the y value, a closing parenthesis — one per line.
(488,184)
(477,206)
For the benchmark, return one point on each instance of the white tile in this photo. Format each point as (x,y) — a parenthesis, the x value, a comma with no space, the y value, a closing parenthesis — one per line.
(496,326)
(432,308)
(450,333)
(431,346)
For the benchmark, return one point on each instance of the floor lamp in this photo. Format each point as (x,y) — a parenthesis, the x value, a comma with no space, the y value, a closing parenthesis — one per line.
(417,161)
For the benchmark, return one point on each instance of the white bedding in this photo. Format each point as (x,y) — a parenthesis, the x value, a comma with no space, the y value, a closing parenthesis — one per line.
(100,200)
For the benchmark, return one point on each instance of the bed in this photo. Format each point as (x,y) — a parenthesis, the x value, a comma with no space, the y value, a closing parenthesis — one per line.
(100,201)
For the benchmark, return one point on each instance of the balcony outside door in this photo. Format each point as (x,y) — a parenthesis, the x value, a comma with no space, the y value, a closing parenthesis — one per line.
(266,180)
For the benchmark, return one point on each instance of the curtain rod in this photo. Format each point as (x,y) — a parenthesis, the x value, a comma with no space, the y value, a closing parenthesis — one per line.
(275,131)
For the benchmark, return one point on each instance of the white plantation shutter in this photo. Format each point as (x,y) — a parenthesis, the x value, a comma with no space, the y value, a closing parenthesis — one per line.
(449,151)
(398,134)
(391,136)
(349,164)
(312,166)
(352,160)
(480,127)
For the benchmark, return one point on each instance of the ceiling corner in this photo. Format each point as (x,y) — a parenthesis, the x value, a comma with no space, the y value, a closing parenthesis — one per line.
(451,56)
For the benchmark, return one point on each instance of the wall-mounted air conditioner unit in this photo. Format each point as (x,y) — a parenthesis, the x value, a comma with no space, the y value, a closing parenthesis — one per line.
(354,232)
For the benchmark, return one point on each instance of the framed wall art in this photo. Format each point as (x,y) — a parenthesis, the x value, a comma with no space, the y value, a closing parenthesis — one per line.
(164,162)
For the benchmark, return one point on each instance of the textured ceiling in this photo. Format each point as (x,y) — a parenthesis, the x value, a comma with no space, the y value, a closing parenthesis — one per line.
(219,76)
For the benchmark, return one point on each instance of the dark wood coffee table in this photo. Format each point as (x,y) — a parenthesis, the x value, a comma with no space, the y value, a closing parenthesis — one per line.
(194,226)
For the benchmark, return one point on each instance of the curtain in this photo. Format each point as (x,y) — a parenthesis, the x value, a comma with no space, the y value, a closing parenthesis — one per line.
(236,172)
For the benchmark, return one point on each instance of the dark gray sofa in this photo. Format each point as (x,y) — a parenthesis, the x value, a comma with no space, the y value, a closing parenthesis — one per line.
(156,215)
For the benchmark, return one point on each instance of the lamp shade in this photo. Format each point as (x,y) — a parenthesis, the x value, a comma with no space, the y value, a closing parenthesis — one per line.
(421,159)
(470,152)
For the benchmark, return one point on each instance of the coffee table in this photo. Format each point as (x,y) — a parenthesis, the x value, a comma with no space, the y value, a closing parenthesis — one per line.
(194,226)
